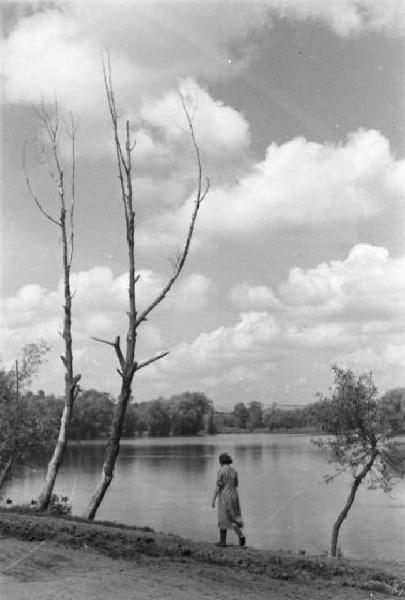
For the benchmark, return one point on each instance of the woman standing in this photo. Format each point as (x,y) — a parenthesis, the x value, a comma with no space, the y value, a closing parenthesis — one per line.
(229,513)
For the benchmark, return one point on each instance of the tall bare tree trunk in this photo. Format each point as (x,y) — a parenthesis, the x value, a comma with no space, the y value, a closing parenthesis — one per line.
(6,471)
(350,499)
(71,382)
(65,223)
(111,452)
(128,364)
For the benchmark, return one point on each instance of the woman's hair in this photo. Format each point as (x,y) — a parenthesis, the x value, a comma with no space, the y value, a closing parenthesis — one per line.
(225,459)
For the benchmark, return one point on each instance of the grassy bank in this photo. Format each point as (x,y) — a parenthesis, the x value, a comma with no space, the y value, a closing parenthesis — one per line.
(126,542)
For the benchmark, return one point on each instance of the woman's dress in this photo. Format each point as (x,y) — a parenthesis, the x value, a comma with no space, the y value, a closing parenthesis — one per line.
(229,513)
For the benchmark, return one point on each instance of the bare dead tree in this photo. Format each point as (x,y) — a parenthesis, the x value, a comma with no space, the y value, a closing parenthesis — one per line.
(49,156)
(128,366)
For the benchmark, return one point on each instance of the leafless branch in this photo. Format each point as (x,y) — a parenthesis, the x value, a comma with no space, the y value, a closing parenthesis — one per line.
(200,195)
(96,339)
(34,196)
(73,189)
(114,119)
(150,361)
(333,476)
(118,351)
(116,346)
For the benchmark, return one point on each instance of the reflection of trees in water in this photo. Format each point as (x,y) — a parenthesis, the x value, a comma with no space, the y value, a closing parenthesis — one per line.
(84,457)
(184,458)
(252,453)
(180,458)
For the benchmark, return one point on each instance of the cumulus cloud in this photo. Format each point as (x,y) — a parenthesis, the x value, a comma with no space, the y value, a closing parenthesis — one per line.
(48,56)
(300,183)
(217,127)
(368,285)
(57,54)
(350,312)
(222,346)
(346,17)
(58,50)
(259,297)
(99,309)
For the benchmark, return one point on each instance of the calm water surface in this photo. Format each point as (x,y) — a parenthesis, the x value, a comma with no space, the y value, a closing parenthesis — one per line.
(168,484)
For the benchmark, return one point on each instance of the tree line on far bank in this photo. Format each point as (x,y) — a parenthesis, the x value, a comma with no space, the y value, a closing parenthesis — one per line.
(187,413)
(255,415)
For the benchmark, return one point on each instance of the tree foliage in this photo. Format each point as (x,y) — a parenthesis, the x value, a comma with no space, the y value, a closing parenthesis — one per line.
(393,405)
(187,413)
(21,431)
(255,410)
(356,438)
(241,415)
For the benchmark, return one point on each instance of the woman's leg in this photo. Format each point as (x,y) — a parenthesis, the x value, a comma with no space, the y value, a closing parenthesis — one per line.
(240,533)
(222,538)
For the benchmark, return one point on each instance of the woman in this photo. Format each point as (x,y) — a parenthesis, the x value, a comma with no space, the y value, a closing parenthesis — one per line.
(229,514)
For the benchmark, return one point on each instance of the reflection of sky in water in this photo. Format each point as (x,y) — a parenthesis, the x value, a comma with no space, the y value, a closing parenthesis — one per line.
(168,484)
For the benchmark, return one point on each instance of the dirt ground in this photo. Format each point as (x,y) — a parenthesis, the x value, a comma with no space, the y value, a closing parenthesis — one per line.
(45,571)
(46,558)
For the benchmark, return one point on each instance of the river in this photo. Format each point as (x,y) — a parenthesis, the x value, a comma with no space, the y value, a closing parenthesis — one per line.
(167,483)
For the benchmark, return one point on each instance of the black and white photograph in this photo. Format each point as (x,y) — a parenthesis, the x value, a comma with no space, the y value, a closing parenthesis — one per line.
(202,300)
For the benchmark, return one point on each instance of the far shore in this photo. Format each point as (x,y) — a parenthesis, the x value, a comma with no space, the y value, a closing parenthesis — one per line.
(398,439)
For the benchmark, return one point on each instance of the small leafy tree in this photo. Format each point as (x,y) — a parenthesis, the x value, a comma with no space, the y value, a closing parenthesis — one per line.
(19,430)
(356,439)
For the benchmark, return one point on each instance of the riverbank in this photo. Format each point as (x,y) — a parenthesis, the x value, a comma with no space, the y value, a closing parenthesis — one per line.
(50,553)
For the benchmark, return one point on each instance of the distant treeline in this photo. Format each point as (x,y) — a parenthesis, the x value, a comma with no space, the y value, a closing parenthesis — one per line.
(182,414)
(255,416)
(188,413)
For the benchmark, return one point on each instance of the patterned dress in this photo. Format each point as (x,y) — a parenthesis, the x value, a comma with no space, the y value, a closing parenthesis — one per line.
(229,513)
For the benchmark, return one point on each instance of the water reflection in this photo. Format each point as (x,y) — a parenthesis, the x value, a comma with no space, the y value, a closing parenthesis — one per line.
(167,483)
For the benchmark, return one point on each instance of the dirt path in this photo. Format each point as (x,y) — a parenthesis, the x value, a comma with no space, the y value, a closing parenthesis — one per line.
(45,571)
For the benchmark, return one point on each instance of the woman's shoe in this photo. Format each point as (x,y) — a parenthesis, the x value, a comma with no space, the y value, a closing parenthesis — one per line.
(221,544)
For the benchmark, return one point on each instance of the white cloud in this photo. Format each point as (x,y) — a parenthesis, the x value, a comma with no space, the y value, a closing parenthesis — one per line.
(218,127)
(225,346)
(346,17)
(192,293)
(99,309)
(48,56)
(300,183)
(259,297)
(58,50)
(367,286)
(350,312)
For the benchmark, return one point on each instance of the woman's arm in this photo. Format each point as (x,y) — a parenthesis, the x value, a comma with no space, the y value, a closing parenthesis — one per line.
(216,492)
(217,487)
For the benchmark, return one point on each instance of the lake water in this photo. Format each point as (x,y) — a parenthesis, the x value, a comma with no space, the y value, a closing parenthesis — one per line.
(167,483)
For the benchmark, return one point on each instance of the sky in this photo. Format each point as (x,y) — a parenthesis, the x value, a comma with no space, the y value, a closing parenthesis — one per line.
(298,260)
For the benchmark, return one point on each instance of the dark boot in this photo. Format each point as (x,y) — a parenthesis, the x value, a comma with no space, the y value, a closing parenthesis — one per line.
(222,538)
